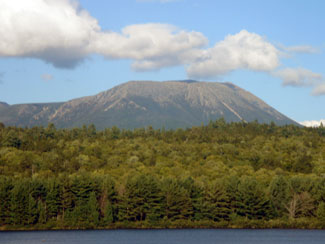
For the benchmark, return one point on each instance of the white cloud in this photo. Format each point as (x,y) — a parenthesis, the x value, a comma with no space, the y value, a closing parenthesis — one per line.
(47,77)
(243,50)
(298,77)
(313,123)
(151,46)
(59,32)
(319,90)
(299,49)
(56,31)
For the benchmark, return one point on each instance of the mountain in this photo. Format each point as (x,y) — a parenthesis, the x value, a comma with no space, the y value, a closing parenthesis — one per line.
(169,104)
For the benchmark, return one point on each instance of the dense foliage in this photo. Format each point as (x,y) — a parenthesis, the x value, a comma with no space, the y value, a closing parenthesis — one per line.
(219,175)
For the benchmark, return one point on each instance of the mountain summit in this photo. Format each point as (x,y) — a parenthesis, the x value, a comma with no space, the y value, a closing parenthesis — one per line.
(169,104)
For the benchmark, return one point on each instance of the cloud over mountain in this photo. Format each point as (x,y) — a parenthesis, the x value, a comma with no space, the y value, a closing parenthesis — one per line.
(150,46)
(319,89)
(299,49)
(63,34)
(298,77)
(313,123)
(244,50)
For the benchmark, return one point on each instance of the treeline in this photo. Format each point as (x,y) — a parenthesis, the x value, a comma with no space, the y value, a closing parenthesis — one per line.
(219,175)
(86,201)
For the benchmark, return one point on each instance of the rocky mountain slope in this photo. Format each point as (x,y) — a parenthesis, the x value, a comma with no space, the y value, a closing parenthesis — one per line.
(172,104)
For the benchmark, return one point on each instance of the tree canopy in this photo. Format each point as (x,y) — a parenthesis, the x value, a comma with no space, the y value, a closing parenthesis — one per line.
(218,175)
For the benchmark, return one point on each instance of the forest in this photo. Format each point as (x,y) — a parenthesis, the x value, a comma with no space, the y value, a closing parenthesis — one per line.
(220,175)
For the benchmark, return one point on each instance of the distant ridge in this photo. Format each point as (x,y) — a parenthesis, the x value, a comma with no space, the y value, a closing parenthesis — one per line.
(135,104)
(185,81)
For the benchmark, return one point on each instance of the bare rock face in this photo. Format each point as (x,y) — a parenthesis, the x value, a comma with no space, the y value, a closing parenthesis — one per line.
(135,104)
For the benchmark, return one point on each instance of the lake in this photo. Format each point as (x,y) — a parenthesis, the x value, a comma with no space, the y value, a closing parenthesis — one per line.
(186,236)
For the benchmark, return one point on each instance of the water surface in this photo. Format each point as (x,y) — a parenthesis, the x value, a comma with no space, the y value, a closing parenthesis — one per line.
(187,236)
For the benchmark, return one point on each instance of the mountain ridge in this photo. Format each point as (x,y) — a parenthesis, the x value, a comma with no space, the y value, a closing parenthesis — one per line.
(134,104)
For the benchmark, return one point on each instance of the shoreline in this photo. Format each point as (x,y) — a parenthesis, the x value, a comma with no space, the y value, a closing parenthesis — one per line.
(299,224)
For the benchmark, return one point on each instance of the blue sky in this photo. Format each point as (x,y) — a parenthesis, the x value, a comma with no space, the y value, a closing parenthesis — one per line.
(57,50)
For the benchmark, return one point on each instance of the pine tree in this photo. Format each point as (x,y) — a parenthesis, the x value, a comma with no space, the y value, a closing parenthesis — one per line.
(93,210)
(216,203)
(5,189)
(251,200)
(321,213)
(176,202)
(108,201)
(41,209)
(279,194)
(197,197)
(33,213)
(67,198)
(53,198)
(19,203)
(141,199)
(108,214)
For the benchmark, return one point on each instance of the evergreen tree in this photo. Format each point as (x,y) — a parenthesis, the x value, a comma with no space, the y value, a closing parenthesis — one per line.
(67,198)
(108,201)
(279,194)
(5,189)
(33,213)
(216,203)
(321,213)
(11,139)
(141,199)
(19,203)
(84,178)
(176,202)
(93,210)
(41,209)
(197,197)
(251,199)
(53,198)
(108,214)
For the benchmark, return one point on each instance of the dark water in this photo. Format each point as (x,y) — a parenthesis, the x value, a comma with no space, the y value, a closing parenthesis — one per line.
(187,236)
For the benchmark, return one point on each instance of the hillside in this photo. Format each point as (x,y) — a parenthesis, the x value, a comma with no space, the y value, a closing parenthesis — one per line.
(136,104)
(237,175)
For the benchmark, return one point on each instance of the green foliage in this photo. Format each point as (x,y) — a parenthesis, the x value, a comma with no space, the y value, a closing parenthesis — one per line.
(42,212)
(19,203)
(216,203)
(237,174)
(92,210)
(5,190)
(108,214)
(53,198)
(176,202)
(321,213)
(279,194)
(251,200)
(33,213)
(11,139)
(141,199)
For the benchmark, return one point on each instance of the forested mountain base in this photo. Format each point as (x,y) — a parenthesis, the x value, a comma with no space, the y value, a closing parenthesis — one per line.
(237,175)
